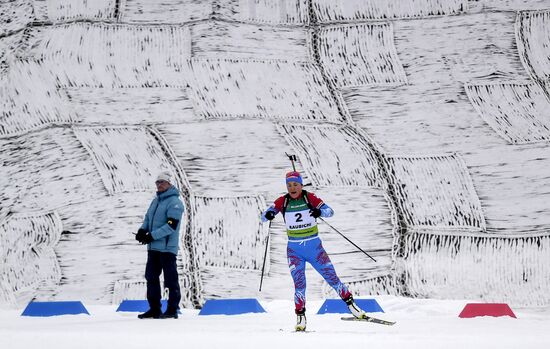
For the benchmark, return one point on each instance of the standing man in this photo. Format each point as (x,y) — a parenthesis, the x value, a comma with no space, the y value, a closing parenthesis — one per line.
(160,231)
(300,210)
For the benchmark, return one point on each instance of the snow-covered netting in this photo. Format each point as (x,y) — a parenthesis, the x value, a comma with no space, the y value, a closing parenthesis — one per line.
(362,54)
(533,40)
(8,48)
(433,115)
(293,12)
(228,231)
(127,158)
(230,242)
(435,192)
(166,11)
(236,156)
(52,169)
(131,289)
(234,283)
(367,288)
(15,15)
(216,39)
(254,59)
(228,88)
(68,10)
(28,261)
(129,106)
(334,155)
(507,5)
(356,10)
(518,112)
(30,99)
(363,216)
(432,109)
(12,191)
(111,55)
(478,266)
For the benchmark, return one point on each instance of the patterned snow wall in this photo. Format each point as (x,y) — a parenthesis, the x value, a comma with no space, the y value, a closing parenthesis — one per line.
(447,263)
(96,97)
(518,112)
(29,264)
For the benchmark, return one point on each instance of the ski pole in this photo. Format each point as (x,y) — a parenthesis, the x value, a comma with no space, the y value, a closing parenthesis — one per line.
(292,158)
(351,242)
(265,256)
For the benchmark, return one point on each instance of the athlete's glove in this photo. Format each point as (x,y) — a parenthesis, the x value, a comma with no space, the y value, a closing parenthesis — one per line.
(269,215)
(315,213)
(326,211)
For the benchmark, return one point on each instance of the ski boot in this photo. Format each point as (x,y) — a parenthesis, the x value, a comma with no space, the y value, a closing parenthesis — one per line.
(354,309)
(300,320)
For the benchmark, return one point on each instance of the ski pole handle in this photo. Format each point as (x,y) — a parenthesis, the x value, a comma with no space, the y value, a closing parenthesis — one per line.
(292,158)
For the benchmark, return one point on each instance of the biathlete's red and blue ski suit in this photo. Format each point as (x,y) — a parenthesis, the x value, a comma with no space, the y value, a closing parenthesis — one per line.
(304,244)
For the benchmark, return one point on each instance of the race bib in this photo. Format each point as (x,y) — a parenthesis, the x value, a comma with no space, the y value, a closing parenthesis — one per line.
(300,223)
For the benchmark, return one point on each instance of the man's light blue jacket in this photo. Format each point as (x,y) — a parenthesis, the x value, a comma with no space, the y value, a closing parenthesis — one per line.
(166,205)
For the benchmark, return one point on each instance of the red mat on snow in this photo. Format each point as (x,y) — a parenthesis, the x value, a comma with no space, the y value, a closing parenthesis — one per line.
(486,309)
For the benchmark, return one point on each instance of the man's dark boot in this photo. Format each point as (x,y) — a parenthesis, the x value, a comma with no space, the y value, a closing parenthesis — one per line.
(150,314)
(170,313)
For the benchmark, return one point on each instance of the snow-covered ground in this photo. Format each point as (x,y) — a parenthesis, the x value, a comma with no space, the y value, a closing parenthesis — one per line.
(420,324)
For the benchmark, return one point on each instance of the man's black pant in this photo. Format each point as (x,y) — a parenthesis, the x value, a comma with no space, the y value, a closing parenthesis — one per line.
(165,262)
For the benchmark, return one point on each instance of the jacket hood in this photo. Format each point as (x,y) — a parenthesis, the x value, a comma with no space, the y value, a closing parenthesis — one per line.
(172,191)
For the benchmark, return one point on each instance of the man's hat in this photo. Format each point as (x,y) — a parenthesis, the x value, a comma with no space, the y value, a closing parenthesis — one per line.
(164,176)
(294,176)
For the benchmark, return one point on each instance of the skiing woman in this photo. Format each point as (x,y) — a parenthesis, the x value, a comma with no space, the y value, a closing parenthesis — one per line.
(300,210)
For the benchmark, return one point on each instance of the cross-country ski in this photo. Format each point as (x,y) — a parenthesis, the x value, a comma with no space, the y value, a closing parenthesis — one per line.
(367,318)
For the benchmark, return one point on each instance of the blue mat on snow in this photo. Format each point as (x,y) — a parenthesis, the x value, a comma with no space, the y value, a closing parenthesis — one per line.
(231,306)
(54,308)
(338,306)
(139,305)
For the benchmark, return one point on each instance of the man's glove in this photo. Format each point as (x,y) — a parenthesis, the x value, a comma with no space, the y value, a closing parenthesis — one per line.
(141,234)
(269,215)
(148,238)
(315,213)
